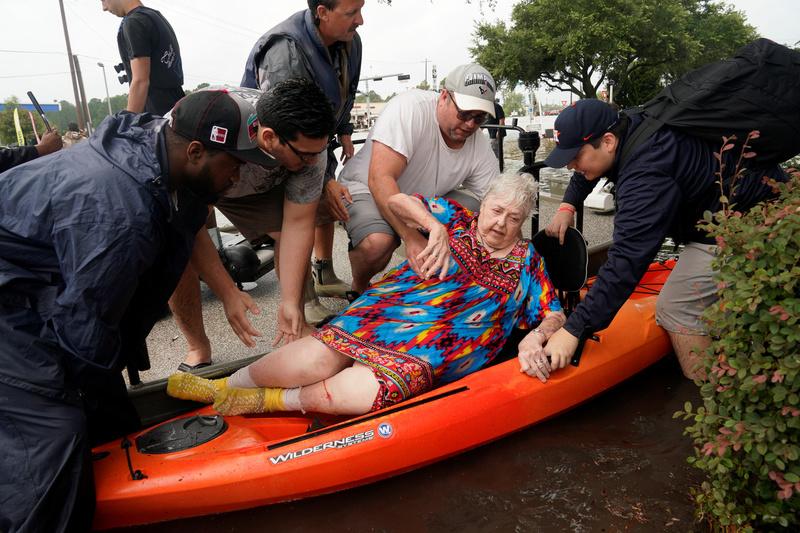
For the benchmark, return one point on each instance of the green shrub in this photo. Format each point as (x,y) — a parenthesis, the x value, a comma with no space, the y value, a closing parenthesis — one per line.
(747,431)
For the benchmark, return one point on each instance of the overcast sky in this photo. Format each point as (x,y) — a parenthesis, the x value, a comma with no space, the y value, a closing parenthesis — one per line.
(216,36)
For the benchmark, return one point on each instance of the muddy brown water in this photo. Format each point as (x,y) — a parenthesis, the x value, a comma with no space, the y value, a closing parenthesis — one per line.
(615,463)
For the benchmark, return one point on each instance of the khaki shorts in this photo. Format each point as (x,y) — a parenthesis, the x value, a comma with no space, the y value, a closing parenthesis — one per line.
(689,290)
(366,219)
(257,215)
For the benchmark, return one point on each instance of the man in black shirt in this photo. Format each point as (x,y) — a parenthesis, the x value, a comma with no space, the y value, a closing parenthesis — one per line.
(151,55)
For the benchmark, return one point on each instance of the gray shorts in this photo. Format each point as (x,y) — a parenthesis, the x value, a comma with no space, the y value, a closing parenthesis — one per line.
(365,218)
(689,290)
(257,215)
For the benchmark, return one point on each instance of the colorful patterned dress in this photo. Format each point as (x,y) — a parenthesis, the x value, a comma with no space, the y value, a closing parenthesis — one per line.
(416,334)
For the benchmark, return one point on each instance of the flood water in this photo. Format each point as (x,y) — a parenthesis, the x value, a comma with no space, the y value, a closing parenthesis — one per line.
(616,463)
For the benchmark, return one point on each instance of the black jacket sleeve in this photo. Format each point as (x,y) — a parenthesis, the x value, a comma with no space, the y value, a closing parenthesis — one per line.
(578,189)
(648,199)
(11,157)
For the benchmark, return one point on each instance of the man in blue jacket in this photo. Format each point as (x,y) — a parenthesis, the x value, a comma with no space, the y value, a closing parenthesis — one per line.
(662,190)
(92,243)
(320,44)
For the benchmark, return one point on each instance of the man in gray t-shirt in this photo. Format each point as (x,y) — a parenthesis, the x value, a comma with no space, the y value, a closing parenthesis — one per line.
(293,126)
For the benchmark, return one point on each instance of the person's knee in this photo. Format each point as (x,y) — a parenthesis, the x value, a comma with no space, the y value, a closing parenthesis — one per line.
(350,392)
(375,249)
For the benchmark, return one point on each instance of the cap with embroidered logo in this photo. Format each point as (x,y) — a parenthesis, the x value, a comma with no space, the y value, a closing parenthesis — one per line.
(579,124)
(473,88)
(221,119)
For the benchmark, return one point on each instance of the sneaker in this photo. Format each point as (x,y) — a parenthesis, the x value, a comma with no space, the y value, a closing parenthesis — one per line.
(326,283)
(316,313)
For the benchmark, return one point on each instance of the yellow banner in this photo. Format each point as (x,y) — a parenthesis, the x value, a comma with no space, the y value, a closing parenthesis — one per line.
(18,126)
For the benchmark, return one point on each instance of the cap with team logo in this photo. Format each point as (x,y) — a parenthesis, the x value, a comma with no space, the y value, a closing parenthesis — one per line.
(578,124)
(223,119)
(472,87)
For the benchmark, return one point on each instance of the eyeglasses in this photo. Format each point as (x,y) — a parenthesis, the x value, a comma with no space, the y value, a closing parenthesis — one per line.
(306,157)
(479,117)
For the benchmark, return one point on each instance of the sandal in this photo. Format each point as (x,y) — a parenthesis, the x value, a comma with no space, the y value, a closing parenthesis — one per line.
(186,367)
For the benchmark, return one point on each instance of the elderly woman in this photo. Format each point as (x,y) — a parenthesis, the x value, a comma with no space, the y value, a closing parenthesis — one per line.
(411,331)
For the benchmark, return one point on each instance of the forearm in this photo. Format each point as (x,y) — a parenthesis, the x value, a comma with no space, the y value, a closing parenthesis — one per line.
(297,239)
(205,260)
(551,323)
(137,97)
(411,212)
(383,188)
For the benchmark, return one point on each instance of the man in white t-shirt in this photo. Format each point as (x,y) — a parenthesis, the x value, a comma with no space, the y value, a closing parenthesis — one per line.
(422,143)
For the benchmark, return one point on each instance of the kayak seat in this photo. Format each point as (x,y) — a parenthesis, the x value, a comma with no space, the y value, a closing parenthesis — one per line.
(567,267)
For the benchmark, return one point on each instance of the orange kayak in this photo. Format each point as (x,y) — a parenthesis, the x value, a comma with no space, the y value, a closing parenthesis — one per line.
(204,464)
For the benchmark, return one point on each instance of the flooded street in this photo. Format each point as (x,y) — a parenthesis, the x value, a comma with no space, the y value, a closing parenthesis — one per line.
(616,463)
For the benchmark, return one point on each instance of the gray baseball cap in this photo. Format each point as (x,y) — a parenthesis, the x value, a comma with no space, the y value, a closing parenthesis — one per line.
(472,87)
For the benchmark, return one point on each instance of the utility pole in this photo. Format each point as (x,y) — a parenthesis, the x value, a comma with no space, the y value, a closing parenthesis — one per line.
(84,102)
(426,70)
(78,109)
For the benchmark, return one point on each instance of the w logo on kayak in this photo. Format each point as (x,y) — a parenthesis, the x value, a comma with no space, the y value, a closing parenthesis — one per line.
(385,430)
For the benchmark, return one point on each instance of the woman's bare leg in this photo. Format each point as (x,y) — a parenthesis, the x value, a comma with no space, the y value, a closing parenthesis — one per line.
(350,392)
(298,364)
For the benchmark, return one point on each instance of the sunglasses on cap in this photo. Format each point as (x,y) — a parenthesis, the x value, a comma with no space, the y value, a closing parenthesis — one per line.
(479,117)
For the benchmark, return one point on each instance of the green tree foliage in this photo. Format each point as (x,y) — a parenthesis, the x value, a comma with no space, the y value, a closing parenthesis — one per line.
(373,97)
(8,133)
(581,45)
(513,102)
(747,430)
(424,85)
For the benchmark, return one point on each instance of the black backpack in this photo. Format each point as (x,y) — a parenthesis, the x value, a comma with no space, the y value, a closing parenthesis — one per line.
(757,89)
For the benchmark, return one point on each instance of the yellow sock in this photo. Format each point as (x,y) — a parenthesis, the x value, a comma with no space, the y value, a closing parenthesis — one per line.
(234,401)
(187,386)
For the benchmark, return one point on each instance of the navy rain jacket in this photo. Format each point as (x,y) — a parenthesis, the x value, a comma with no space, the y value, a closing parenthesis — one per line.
(662,190)
(92,244)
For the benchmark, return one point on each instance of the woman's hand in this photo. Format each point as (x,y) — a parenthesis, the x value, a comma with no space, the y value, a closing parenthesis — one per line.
(532,359)
(435,257)
(559,223)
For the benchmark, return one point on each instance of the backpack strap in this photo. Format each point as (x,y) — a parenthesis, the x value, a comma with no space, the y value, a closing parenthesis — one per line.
(645,130)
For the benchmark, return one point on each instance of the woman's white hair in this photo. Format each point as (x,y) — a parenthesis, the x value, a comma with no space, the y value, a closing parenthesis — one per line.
(518,188)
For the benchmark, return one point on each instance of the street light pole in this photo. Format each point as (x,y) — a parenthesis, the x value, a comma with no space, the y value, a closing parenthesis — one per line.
(108,98)
(379,78)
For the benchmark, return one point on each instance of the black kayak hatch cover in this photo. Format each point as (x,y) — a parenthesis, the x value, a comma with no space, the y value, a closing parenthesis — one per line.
(181,434)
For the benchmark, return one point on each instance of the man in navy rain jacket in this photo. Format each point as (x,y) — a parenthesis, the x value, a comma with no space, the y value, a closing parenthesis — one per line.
(663,189)
(92,242)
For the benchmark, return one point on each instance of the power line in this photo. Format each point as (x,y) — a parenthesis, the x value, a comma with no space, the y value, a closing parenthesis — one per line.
(32,52)
(34,75)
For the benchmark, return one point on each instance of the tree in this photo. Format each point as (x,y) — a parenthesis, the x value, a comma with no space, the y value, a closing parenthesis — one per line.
(8,132)
(513,102)
(373,97)
(581,45)
(424,85)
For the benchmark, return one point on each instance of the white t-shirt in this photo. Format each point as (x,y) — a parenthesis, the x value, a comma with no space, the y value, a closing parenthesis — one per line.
(408,126)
